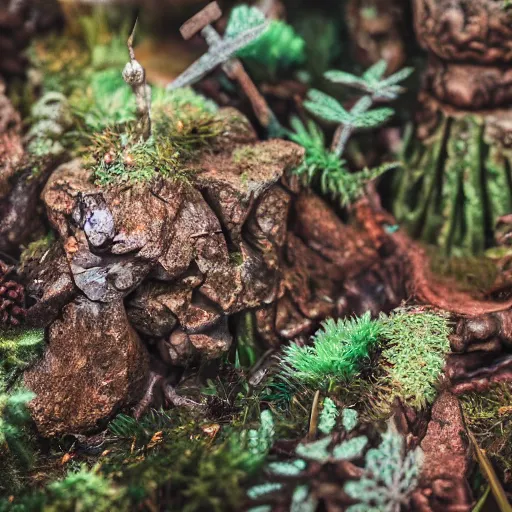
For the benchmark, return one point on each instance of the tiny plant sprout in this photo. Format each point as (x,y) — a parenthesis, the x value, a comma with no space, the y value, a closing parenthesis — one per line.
(361,115)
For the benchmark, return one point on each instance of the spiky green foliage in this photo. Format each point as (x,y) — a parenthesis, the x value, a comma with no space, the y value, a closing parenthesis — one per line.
(278,48)
(324,167)
(338,350)
(391,475)
(328,417)
(373,82)
(414,356)
(19,348)
(14,417)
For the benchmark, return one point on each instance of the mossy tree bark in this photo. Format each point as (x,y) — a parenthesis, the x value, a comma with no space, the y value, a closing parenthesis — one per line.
(457,160)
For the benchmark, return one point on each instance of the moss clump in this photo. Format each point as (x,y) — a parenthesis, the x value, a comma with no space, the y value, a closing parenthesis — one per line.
(488,416)
(183,123)
(471,273)
(412,347)
(337,352)
(414,355)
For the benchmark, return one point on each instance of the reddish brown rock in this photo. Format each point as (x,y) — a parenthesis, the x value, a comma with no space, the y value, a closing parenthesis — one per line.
(94,365)
(443,485)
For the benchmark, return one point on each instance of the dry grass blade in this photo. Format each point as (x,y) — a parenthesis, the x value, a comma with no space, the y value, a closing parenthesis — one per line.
(490,475)
(313,422)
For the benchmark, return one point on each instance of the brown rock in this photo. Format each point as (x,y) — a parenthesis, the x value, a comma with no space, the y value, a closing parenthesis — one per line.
(443,486)
(231,181)
(50,284)
(61,192)
(94,365)
(213,343)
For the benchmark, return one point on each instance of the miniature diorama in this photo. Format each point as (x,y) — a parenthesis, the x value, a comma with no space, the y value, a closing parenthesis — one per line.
(256,256)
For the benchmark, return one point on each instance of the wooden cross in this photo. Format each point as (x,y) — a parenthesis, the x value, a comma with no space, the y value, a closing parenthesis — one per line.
(221,51)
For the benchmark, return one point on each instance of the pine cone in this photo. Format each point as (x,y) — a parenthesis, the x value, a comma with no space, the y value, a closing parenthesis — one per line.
(21,20)
(12,299)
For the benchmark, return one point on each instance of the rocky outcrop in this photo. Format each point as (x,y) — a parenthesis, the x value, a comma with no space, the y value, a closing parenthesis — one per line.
(183,256)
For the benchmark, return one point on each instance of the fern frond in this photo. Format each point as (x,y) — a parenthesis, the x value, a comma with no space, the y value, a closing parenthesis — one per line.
(287,468)
(242,18)
(350,449)
(349,419)
(317,450)
(328,417)
(326,107)
(390,475)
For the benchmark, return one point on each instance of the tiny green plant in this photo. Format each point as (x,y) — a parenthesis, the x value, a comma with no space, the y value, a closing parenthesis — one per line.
(14,417)
(19,348)
(332,172)
(361,115)
(86,490)
(336,355)
(389,475)
(327,165)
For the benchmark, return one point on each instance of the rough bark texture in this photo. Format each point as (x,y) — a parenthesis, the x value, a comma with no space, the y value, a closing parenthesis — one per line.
(455,185)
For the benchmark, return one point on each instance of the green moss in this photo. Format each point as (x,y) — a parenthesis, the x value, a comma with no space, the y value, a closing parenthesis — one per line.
(250,157)
(488,416)
(414,355)
(183,123)
(337,353)
(471,273)
(18,349)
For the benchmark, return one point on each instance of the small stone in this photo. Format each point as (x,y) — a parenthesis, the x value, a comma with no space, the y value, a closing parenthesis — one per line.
(94,365)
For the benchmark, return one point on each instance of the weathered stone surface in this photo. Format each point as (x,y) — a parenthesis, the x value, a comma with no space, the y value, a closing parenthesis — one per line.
(443,486)
(231,181)
(50,284)
(213,343)
(61,192)
(94,364)
(104,277)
